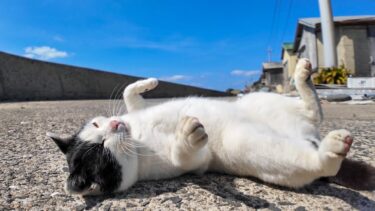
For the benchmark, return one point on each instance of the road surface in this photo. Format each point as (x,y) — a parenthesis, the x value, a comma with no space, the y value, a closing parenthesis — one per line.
(33,170)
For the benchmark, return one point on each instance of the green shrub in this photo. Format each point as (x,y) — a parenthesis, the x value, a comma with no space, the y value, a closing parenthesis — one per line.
(332,75)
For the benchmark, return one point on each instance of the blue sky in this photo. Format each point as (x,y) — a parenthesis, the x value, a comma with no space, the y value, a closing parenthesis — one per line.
(213,44)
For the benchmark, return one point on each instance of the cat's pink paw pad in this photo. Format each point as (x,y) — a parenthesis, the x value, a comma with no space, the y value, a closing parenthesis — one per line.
(338,142)
(348,141)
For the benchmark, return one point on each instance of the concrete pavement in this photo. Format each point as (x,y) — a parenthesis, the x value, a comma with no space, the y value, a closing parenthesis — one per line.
(33,170)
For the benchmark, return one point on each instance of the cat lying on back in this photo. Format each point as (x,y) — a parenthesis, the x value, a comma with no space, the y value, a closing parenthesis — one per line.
(265,135)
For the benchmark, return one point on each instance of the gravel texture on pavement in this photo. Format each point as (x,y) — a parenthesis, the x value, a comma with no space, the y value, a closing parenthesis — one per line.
(33,171)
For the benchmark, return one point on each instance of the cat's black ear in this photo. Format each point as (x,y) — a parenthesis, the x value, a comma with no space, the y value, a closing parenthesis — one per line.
(62,143)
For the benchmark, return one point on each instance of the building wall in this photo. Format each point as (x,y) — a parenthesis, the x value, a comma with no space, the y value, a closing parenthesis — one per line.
(28,79)
(277,77)
(320,49)
(289,62)
(360,47)
(352,46)
(308,47)
(274,77)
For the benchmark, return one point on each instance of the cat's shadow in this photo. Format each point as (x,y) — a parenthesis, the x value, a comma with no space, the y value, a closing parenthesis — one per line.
(224,187)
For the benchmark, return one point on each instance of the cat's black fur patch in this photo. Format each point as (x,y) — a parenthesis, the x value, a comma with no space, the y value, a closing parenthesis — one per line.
(92,163)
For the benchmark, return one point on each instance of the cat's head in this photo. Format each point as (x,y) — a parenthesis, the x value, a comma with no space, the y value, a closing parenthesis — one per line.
(93,156)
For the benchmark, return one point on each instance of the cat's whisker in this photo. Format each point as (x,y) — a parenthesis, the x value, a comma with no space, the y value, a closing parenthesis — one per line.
(125,149)
(132,143)
(110,99)
(129,147)
(139,154)
(115,104)
(113,100)
(120,111)
(120,143)
(118,96)
(135,144)
(121,146)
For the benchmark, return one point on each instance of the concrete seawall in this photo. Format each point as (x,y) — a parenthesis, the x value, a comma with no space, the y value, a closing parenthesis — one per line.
(28,79)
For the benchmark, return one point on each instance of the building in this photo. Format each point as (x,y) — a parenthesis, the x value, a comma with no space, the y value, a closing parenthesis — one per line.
(289,61)
(355,45)
(272,75)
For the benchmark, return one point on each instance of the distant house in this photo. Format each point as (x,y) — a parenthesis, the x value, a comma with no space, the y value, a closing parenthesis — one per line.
(272,75)
(289,61)
(355,45)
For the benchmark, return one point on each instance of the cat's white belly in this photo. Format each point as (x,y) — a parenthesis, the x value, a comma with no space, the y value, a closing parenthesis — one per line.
(238,143)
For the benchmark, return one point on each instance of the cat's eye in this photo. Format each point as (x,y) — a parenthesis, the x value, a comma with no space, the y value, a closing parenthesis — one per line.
(95,124)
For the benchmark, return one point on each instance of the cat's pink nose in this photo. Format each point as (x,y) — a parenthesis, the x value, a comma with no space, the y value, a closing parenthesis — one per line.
(114,124)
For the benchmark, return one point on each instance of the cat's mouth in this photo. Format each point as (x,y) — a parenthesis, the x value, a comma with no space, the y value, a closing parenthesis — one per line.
(123,127)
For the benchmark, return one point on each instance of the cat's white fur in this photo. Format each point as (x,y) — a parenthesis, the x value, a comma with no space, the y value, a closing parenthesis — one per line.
(264,135)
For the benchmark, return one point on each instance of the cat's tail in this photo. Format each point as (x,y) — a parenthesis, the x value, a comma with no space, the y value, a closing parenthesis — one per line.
(356,175)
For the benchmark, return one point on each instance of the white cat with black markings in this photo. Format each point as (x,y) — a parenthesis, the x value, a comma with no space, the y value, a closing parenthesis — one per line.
(264,135)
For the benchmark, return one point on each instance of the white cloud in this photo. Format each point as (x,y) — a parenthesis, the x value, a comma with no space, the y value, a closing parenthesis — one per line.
(44,52)
(175,78)
(246,73)
(58,38)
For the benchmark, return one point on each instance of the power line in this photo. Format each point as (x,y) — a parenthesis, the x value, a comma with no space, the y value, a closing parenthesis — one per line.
(274,14)
(287,19)
(275,9)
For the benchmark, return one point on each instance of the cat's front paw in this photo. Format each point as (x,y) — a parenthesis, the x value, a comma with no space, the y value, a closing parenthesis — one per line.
(192,132)
(303,70)
(142,86)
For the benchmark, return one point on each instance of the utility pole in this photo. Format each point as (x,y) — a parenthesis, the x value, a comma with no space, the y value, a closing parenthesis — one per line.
(328,33)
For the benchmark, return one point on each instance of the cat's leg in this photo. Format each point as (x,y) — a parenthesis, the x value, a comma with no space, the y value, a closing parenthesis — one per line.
(278,160)
(307,91)
(189,151)
(133,99)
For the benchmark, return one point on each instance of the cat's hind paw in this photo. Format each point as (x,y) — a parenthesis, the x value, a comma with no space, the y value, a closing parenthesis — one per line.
(333,149)
(337,143)
(192,132)
(303,70)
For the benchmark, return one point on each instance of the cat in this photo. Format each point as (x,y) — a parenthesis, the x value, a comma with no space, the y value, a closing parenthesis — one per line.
(264,135)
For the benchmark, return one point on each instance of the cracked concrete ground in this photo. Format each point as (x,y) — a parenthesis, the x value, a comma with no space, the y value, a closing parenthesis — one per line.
(33,170)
